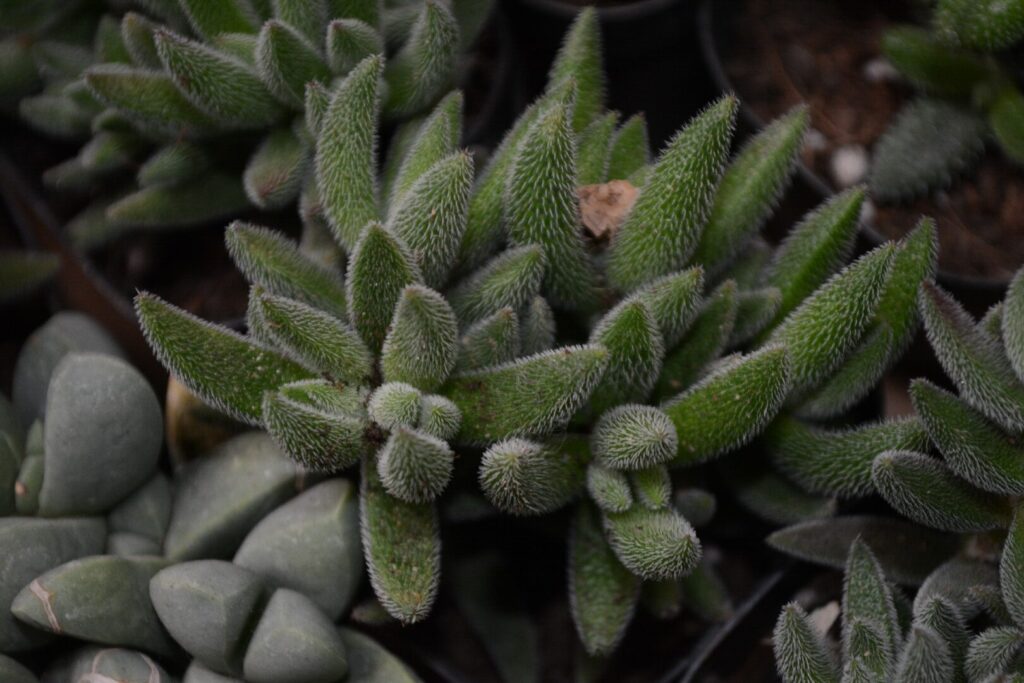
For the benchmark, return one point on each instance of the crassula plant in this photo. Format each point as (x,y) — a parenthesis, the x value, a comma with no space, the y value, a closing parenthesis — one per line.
(969,95)
(191,110)
(577,361)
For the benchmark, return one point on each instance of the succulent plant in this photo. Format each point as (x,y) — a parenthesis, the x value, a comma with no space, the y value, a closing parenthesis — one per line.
(969,94)
(190,111)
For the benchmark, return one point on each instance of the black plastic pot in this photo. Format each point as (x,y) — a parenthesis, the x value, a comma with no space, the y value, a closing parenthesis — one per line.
(652,60)
(716,29)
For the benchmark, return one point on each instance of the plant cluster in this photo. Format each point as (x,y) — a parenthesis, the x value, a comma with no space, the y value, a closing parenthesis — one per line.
(970,94)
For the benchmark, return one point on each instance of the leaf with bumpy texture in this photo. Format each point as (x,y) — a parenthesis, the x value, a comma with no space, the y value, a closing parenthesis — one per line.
(413,466)
(528,478)
(420,348)
(855,378)
(652,486)
(286,61)
(541,207)
(592,149)
(379,268)
(986,25)
(536,327)
(992,651)
(674,300)
(439,417)
(653,544)
(663,229)
(212,19)
(750,188)
(942,617)
(924,489)
(274,174)
(602,593)
(320,439)
(425,65)
(218,365)
(346,152)
(868,597)
(729,407)
(148,98)
(631,149)
(609,488)
(635,351)
(435,139)
(579,61)
(529,396)
(403,549)
(491,341)
(972,359)
(974,448)
(511,280)
(394,405)
(633,437)
(350,41)
(926,658)
(800,654)
(1011,568)
(838,461)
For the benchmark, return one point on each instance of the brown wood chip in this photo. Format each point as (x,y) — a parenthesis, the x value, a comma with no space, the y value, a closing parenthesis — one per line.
(604,206)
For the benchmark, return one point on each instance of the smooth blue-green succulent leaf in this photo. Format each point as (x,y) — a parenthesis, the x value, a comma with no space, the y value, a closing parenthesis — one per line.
(524,477)
(929,144)
(988,25)
(220,366)
(414,466)
(972,447)
(838,462)
(402,545)
(350,41)
(275,172)
(172,164)
(992,651)
(653,544)
(801,655)
(703,342)
(634,437)
(320,438)
(21,272)
(394,405)
(593,148)
(926,658)
(346,153)
(635,352)
(867,597)
(511,279)
(223,87)
(536,327)
(529,396)
(755,309)
(674,300)
(652,486)
(421,344)
(608,488)
(631,149)
(433,139)
(275,263)
(148,98)
(923,489)
(762,490)
(972,359)
(906,551)
(729,407)
(750,188)
(491,341)
(931,63)
(602,593)
(827,325)
(1011,569)
(379,268)
(286,61)
(211,19)
(541,207)
(431,216)
(663,229)
(423,69)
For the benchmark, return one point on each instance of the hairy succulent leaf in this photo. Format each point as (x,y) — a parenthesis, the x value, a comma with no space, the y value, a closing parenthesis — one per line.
(420,348)
(652,486)
(867,597)
(1004,118)
(212,19)
(149,98)
(1011,569)
(203,199)
(631,149)
(350,41)
(319,438)
(926,658)
(992,651)
(439,417)
(634,437)
(932,64)
(491,341)
(755,309)
(528,478)
(511,279)
(609,488)
(173,164)
(762,490)
(653,544)
(988,25)
(536,327)
(414,466)
(579,61)
(424,66)
(435,139)
(593,148)
(286,61)
(800,653)
(674,300)
(635,351)
(394,405)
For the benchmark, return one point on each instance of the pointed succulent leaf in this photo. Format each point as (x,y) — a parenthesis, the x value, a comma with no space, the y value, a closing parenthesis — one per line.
(665,224)
(172,164)
(602,593)
(907,552)
(395,404)
(838,462)
(652,486)
(379,268)
(316,100)
(1011,569)
(986,26)
(528,478)
(149,98)
(703,343)
(511,279)
(634,437)
(536,327)
(274,174)
(992,651)
(431,217)
(1013,323)
(579,61)
(755,309)
(957,582)
(697,505)
(593,148)
(972,359)
(137,35)
(772,497)
(420,348)
(635,351)
(674,300)
(653,544)
(435,139)
(855,378)
(631,149)
(491,341)
(729,407)
(321,439)
(215,363)
(286,61)
(425,65)
(608,488)
(541,207)
(946,620)
(925,490)
(800,654)
(346,154)
(974,448)
(439,417)
(931,63)
(239,46)
(868,657)
(529,396)
(748,270)
(403,549)
(326,395)
(225,88)
(211,19)
(413,466)
(867,597)
(350,41)
(926,658)
(309,16)
(204,199)
(750,188)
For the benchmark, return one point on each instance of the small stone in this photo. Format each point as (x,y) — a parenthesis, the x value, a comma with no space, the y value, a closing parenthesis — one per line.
(31,547)
(102,435)
(294,641)
(12,672)
(815,140)
(102,599)
(197,673)
(146,513)
(207,606)
(218,499)
(62,334)
(849,165)
(881,70)
(93,664)
(311,545)
(127,544)
(368,662)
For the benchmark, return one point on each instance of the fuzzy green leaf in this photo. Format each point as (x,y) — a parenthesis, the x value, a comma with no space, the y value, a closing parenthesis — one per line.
(800,654)
(413,466)
(1004,118)
(943,618)
(932,64)
(350,41)
(674,300)
(527,478)
(631,149)
(395,404)
(149,98)
(635,351)
(926,658)
(1011,569)
(609,488)
(992,651)
(320,438)
(770,496)
(957,582)
(420,348)
(664,227)
(986,25)
(309,16)
(755,309)
(218,365)
(579,61)
(435,139)
(276,170)
(173,164)
(491,341)
(729,407)
(925,490)
(633,437)
(210,19)
(536,327)
(858,375)
(439,417)
(204,199)
(1013,323)
(867,597)
(286,61)
(424,67)
(653,544)
(137,35)
(652,486)
(509,280)
(593,148)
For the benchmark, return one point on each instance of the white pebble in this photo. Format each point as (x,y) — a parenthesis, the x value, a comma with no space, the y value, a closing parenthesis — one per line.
(849,165)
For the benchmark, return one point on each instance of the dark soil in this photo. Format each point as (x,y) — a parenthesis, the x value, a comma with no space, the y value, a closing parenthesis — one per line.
(784,52)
